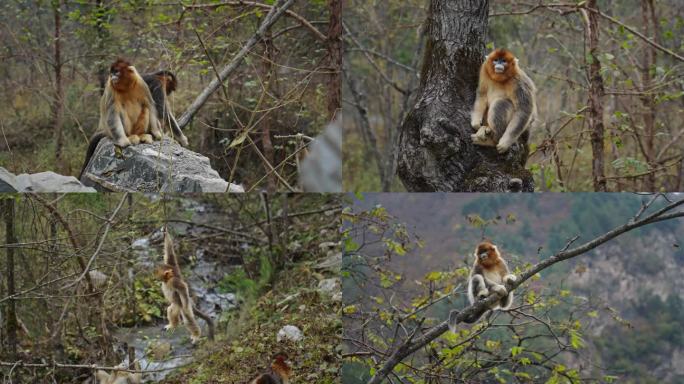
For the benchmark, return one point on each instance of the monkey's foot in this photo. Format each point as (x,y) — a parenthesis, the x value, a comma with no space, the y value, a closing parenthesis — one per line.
(475,125)
(500,289)
(146,138)
(157,134)
(504,144)
(134,139)
(170,328)
(182,140)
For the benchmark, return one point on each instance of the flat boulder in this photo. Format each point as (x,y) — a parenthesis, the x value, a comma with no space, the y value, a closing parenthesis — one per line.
(163,166)
(40,182)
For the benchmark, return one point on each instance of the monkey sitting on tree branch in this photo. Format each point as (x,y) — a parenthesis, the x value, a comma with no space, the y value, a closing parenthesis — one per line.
(476,310)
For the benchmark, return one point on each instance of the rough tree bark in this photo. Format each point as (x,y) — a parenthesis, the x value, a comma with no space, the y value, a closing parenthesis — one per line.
(596,93)
(436,152)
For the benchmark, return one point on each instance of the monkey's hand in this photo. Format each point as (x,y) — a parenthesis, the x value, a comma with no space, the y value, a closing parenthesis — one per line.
(500,289)
(169,328)
(183,141)
(475,123)
(482,294)
(510,279)
(504,143)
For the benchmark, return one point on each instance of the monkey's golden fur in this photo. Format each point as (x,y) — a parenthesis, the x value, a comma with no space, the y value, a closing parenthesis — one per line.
(130,98)
(489,273)
(279,373)
(177,293)
(505,103)
(127,111)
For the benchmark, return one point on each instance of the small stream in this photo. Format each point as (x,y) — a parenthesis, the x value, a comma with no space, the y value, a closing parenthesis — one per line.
(156,349)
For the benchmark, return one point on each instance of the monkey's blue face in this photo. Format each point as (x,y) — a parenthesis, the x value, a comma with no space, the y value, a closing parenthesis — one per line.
(483,255)
(499,65)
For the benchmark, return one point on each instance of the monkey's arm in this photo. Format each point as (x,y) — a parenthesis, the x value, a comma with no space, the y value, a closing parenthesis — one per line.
(154,123)
(507,276)
(169,254)
(480,105)
(110,121)
(524,103)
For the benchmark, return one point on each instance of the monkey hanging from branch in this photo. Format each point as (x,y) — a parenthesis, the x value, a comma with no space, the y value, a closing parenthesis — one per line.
(489,273)
(279,373)
(133,109)
(179,295)
(506,102)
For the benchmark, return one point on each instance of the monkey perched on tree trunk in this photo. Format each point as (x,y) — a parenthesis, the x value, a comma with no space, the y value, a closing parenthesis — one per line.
(436,151)
(177,292)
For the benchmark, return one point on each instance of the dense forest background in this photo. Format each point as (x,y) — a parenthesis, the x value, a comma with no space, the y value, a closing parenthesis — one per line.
(56,56)
(639,101)
(256,263)
(614,314)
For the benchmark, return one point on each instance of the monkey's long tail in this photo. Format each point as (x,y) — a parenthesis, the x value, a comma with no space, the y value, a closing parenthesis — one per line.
(92,145)
(205,317)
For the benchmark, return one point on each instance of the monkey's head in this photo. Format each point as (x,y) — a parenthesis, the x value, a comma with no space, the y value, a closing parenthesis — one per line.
(487,254)
(121,74)
(164,272)
(501,65)
(281,365)
(168,80)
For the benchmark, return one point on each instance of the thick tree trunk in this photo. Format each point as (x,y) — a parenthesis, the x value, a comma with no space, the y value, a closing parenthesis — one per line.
(596,93)
(436,152)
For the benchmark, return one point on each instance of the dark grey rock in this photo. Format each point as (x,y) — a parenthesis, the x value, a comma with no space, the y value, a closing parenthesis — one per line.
(163,166)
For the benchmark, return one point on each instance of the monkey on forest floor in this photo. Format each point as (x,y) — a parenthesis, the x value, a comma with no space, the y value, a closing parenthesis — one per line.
(161,84)
(489,273)
(127,111)
(278,374)
(506,100)
(120,377)
(177,292)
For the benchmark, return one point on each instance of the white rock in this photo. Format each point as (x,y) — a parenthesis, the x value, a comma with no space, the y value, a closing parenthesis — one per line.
(329,286)
(289,332)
